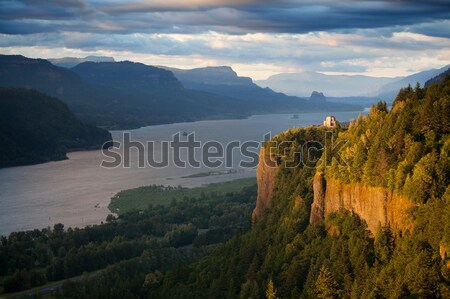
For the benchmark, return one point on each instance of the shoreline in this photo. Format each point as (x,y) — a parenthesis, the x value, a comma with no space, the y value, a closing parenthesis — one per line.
(68,190)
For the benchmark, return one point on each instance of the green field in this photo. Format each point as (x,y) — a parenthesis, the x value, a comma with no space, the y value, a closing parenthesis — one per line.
(142,197)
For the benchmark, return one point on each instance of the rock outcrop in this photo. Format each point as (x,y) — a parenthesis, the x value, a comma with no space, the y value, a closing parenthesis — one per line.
(317,208)
(317,97)
(376,205)
(265,177)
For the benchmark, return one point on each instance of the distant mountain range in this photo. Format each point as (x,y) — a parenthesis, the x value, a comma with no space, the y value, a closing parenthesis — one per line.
(346,88)
(36,128)
(390,90)
(438,79)
(69,62)
(303,84)
(224,80)
(343,89)
(125,94)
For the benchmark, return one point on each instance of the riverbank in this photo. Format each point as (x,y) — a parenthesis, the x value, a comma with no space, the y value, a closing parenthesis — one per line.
(77,191)
(139,199)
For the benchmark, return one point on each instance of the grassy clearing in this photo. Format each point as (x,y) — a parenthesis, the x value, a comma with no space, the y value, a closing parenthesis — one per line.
(142,197)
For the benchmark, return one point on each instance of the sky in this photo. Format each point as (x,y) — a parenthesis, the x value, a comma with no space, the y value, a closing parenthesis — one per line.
(257,38)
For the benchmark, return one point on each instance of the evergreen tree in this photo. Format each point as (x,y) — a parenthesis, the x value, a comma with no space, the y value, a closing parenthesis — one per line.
(326,286)
(271,292)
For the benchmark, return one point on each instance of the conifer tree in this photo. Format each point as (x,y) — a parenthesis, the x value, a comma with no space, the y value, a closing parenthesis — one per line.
(326,286)
(271,292)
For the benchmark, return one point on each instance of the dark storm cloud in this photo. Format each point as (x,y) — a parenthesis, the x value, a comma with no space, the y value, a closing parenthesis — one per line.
(229,16)
(437,29)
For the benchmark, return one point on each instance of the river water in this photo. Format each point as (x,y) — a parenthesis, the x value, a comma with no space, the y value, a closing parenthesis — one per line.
(77,191)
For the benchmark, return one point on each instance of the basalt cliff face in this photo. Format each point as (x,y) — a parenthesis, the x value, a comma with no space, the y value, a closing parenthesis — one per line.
(375,205)
(265,177)
(317,208)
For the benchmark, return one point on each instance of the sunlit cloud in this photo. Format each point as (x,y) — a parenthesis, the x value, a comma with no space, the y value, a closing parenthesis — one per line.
(257,38)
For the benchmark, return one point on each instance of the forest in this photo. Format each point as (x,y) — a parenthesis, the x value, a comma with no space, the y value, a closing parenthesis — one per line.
(405,149)
(160,237)
(36,128)
(160,253)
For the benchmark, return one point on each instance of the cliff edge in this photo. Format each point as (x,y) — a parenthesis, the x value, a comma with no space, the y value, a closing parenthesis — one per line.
(375,205)
(265,178)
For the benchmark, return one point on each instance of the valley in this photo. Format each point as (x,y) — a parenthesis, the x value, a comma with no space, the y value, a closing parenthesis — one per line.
(224,149)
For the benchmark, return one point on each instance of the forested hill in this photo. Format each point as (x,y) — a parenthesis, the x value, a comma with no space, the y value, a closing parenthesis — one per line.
(36,128)
(405,150)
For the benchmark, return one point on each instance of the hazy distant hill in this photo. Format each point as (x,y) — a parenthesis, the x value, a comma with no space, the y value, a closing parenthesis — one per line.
(364,90)
(130,96)
(439,78)
(366,102)
(224,80)
(303,84)
(19,71)
(36,128)
(390,90)
(69,62)
(149,95)
(126,75)
(317,97)
(355,100)
(125,94)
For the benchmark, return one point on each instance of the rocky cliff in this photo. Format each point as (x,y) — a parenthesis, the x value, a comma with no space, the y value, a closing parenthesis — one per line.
(376,205)
(265,177)
(317,208)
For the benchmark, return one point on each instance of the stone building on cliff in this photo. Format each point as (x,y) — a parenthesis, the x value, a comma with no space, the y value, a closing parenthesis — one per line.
(330,122)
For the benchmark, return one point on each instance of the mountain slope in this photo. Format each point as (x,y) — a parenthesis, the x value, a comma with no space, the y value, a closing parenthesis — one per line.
(69,62)
(439,78)
(402,153)
(341,87)
(125,94)
(297,246)
(127,75)
(36,128)
(223,80)
(19,71)
(389,91)
(153,95)
(303,84)
(148,95)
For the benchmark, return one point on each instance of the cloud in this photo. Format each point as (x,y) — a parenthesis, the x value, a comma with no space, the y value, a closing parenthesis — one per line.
(322,51)
(372,37)
(437,28)
(227,16)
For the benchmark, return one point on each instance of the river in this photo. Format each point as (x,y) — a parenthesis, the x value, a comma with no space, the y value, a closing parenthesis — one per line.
(77,191)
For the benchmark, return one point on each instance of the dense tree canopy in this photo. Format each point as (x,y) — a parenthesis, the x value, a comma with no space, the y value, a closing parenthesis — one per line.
(405,149)
(36,128)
